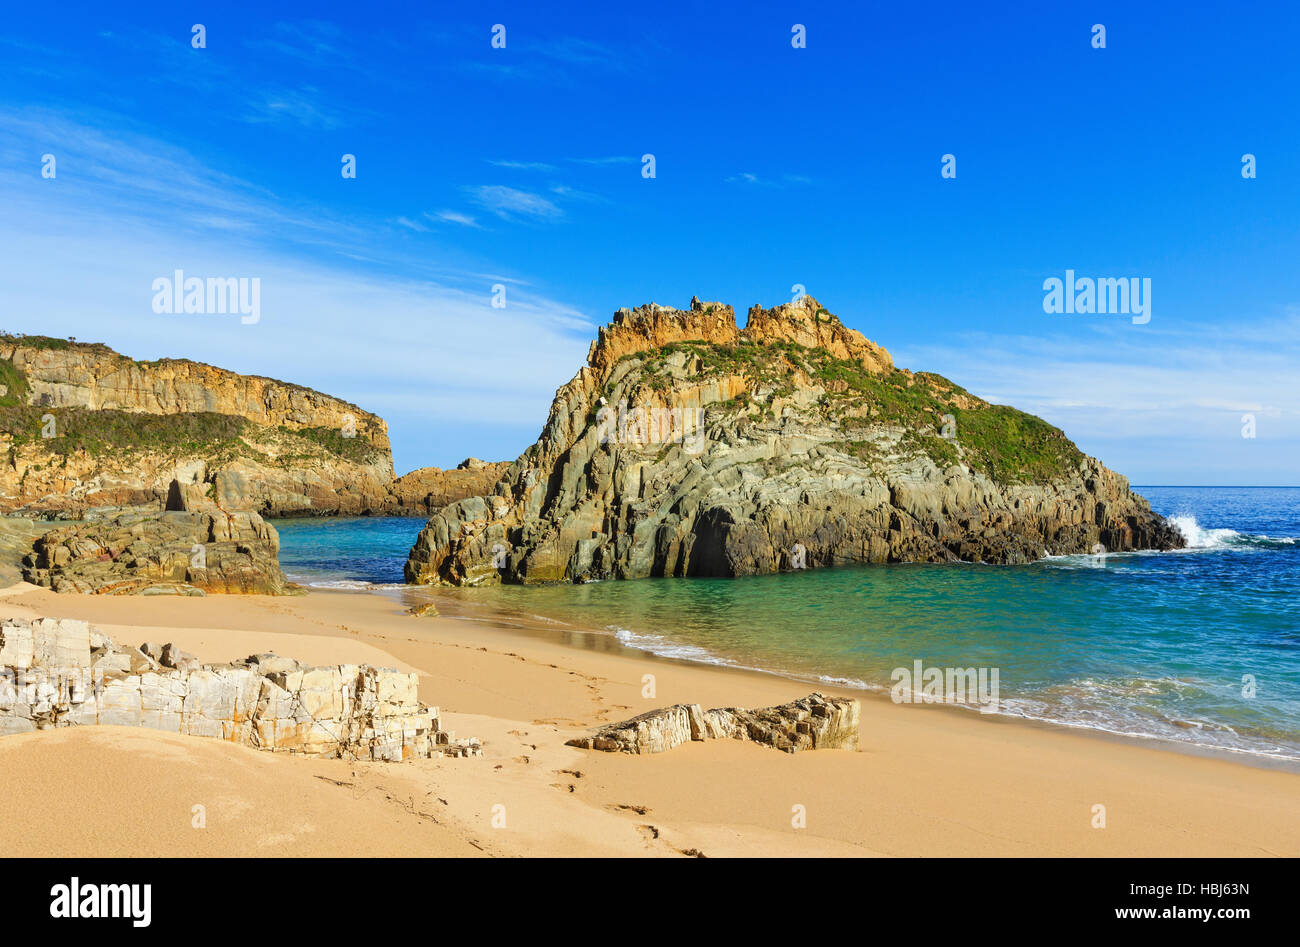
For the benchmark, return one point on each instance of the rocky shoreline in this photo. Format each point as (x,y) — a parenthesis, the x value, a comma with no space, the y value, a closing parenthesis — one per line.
(690,447)
(170,553)
(686,446)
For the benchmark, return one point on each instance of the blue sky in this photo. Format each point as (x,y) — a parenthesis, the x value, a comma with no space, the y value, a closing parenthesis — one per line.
(775,166)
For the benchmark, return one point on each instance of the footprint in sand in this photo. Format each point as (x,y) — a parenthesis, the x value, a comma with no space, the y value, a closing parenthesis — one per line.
(625,807)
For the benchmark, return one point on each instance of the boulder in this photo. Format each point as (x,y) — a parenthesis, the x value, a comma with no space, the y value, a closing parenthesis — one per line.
(168,553)
(815,722)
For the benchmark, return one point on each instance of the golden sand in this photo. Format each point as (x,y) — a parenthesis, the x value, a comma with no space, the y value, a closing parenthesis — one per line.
(926,781)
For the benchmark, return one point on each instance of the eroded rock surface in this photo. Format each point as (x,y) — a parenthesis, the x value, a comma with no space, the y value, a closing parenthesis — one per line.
(814,723)
(63,673)
(87,428)
(88,431)
(176,552)
(422,491)
(688,446)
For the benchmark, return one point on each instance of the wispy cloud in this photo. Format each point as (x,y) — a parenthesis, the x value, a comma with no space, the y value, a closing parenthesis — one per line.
(611,159)
(510,203)
(314,43)
(301,106)
(455,217)
(581,52)
(524,165)
(573,193)
(785,180)
(357,323)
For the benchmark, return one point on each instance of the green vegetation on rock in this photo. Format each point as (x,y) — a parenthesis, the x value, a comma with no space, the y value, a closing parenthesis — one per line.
(105,432)
(45,343)
(216,438)
(1007,445)
(356,448)
(14,382)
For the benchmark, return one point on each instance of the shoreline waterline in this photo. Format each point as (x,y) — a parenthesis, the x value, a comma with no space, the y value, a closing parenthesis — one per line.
(1145,645)
(580,638)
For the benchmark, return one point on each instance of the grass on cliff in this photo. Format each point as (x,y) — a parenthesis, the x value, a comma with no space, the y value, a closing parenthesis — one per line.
(106,432)
(216,438)
(15,384)
(356,449)
(46,343)
(1007,445)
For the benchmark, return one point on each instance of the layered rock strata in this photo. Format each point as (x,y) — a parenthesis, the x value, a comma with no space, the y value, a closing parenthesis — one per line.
(689,446)
(87,431)
(814,723)
(86,428)
(63,673)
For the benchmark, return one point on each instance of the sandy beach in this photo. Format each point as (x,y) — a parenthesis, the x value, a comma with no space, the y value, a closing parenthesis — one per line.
(927,781)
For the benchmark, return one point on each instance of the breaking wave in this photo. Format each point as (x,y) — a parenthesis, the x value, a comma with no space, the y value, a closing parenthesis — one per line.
(1198,537)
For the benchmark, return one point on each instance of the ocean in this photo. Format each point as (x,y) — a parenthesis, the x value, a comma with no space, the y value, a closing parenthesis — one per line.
(1199,646)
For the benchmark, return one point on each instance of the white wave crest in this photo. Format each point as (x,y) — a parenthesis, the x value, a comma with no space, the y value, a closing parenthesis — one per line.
(1198,537)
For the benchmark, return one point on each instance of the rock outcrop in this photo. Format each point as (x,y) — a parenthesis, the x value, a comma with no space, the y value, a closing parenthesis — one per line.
(422,491)
(179,552)
(85,428)
(689,446)
(63,673)
(814,723)
(87,431)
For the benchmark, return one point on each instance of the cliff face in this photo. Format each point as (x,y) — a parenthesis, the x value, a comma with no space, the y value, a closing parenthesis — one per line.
(66,374)
(82,427)
(689,446)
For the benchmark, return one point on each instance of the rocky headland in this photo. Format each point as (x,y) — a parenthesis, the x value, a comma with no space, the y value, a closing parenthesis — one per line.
(84,429)
(690,446)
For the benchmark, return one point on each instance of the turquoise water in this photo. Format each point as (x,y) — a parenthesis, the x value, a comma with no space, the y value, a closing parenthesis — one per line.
(1147,644)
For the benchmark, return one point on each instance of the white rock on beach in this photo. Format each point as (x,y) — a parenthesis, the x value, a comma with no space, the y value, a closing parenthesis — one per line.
(61,673)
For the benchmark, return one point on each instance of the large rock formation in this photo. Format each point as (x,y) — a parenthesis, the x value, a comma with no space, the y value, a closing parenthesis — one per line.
(422,491)
(179,552)
(86,430)
(63,673)
(689,446)
(84,427)
(813,723)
